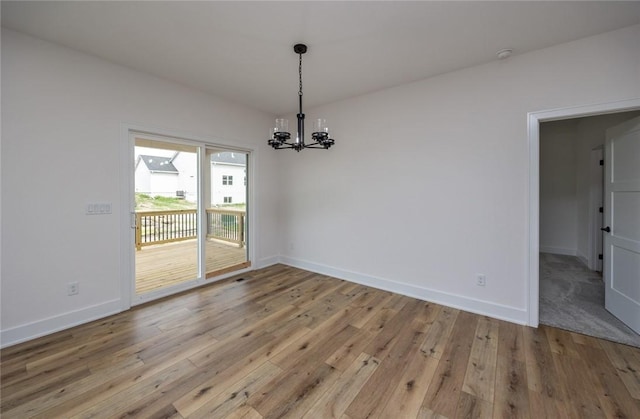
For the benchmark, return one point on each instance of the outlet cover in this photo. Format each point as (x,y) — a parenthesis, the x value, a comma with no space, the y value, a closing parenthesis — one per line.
(73,288)
(481,280)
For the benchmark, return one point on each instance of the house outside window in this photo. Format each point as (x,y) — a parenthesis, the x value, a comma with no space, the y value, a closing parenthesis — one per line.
(229,167)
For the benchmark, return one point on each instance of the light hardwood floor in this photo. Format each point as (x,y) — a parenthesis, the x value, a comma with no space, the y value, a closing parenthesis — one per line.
(284,342)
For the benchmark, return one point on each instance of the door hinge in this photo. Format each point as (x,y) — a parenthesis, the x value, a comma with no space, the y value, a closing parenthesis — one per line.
(601,162)
(133,220)
(600,257)
(600,209)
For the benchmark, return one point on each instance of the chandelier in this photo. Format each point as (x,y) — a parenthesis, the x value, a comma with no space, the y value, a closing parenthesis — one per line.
(280,135)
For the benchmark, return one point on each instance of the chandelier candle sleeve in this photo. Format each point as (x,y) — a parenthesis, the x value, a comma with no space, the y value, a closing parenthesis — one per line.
(320,125)
(320,135)
(282,125)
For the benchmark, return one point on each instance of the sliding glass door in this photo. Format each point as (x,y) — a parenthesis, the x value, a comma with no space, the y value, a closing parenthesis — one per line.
(226,212)
(190,215)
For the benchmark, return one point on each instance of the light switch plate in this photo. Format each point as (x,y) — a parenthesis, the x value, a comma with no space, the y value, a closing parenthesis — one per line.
(99,208)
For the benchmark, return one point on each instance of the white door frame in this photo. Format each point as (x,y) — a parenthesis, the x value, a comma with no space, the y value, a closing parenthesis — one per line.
(127,177)
(533,128)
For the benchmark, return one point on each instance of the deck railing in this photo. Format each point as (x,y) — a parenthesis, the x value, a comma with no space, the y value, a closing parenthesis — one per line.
(157,227)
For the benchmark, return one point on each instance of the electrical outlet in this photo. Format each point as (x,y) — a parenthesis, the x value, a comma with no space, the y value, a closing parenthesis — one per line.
(73,288)
(481,280)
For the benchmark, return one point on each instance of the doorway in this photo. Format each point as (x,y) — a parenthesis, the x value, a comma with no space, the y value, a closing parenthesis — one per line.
(579,242)
(190,203)
(572,291)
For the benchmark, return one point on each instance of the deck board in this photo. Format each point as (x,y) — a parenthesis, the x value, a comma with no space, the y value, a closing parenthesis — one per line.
(173,263)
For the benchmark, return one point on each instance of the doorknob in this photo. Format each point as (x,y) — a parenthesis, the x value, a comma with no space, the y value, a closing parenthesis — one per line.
(607,229)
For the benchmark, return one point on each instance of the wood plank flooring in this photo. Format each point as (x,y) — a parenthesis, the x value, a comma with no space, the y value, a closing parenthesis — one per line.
(286,343)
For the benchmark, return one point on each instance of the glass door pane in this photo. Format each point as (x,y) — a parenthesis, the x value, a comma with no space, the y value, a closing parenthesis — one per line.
(166,212)
(226,197)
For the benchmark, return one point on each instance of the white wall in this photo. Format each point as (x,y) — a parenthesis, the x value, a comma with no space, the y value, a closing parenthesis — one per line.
(558,192)
(428,182)
(62,113)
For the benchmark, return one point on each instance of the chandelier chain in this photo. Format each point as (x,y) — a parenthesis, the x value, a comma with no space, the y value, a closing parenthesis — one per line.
(300,74)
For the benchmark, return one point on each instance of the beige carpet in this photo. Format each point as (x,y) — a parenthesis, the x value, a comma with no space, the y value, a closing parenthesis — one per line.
(572,298)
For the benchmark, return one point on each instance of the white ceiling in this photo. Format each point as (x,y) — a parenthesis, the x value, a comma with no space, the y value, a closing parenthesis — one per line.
(243,51)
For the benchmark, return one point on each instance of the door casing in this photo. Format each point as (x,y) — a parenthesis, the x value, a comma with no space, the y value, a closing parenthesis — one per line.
(533,128)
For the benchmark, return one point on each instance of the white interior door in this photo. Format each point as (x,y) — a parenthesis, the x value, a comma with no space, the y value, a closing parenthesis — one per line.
(622,219)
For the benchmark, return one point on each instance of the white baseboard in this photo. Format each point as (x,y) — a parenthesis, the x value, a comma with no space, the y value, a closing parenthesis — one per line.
(268,261)
(70,319)
(558,250)
(23,333)
(486,308)
(583,259)
(54,324)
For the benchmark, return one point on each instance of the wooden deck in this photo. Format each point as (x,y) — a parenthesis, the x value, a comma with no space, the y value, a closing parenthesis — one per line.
(173,263)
